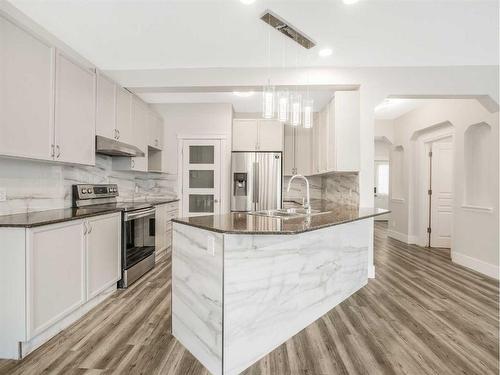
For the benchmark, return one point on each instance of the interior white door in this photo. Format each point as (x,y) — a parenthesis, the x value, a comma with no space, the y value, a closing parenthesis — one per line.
(201,171)
(442,195)
(382,187)
(26,94)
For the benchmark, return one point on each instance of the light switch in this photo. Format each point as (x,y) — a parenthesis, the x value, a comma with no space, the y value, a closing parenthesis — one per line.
(3,194)
(211,245)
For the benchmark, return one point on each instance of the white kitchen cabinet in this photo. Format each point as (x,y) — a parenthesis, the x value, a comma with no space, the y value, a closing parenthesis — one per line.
(257,135)
(155,123)
(124,116)
(245,135)
(55,274)
(106,107)
(163,227)
(103,253)
(346,134)
(52,275)
(75,102)
(26,94)
(298,151)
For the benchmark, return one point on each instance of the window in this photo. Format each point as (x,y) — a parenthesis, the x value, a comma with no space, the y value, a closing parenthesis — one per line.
(382,182)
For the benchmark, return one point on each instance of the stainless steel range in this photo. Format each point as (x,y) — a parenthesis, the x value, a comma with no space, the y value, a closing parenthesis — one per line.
(138,228)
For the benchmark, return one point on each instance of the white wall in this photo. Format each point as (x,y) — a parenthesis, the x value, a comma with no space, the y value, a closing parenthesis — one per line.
(382,150)
(475,231)
(197,120)
(384,129)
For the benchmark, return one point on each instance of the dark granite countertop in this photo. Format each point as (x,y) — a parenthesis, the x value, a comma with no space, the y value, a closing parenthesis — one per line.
(244,223)
(39,218)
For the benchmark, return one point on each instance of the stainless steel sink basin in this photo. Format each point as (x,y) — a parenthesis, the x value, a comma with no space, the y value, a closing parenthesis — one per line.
(287,213)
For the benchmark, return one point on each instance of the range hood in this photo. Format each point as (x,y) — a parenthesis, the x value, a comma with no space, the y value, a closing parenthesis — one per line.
(113,147)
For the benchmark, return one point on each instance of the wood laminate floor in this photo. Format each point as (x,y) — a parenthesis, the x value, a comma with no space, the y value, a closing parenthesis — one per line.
(421,315)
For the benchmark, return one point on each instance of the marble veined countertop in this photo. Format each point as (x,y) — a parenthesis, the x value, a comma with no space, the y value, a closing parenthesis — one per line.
(39,218)
(245,223)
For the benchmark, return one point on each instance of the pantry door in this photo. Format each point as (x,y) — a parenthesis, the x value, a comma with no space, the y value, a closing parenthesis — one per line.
(201,175)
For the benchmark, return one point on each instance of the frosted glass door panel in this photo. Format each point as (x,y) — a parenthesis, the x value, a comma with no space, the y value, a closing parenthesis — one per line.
(201,154)
(203,179)
(201,166)
(201,203)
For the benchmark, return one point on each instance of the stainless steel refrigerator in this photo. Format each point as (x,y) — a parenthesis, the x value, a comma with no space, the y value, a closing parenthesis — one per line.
(256,181)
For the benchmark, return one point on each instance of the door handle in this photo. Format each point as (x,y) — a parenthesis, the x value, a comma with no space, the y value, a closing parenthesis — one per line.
(255,182)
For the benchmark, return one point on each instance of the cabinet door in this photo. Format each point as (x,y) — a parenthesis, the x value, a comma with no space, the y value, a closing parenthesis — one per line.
(316,140)
(55,274)
(270,135)
(161,228)
(140,134)
(289,151)
(124,115)
(245,135)
(155,124)
(106,107)
(324,147)
(303,151)
(103,256)
(26,94)
(347,128)
(75,112)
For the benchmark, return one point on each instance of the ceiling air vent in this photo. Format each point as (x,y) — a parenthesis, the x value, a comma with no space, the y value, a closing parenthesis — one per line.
(285,28)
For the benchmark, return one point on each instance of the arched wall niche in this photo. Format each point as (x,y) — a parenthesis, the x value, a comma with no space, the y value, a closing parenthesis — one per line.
(397,172)
(478,164)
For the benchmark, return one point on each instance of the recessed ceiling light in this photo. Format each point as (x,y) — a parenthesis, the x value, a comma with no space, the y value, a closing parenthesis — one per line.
(247,2)
(243,94)
(325,52)
(350,1)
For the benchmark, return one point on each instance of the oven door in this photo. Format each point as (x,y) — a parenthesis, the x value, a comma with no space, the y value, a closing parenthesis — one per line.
(138,236)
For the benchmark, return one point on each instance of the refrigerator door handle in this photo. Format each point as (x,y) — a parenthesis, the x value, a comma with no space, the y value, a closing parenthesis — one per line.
(255,182)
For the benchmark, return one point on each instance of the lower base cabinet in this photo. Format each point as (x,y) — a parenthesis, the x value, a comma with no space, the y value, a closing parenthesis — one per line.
(52,275)
(163,233)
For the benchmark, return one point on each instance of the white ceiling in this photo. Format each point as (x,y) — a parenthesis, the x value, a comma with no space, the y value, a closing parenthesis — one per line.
(240,104)
(152,34)
(394,108)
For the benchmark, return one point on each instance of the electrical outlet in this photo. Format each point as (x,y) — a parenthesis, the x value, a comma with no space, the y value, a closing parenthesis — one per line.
(3,194)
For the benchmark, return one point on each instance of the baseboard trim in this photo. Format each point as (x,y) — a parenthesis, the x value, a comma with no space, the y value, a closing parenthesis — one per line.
(397,235)
(371,271)
(478,265)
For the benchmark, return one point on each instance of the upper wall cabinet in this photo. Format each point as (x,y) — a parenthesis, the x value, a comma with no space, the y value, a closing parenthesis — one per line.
(75,103)
(47,102)
(124,115)
(298,151)
(257,135)
(26,94)
(336,143)
(106,108)
(155,123)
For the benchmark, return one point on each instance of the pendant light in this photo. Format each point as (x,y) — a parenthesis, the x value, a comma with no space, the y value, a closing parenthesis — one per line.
(308,113)
(283,105)
(268,90)
(295,109)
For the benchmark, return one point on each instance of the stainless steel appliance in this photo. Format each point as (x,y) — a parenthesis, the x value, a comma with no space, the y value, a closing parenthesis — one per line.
(138,227)
(256,180)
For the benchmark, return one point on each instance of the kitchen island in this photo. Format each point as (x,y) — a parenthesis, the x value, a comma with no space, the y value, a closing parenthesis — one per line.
(243,284)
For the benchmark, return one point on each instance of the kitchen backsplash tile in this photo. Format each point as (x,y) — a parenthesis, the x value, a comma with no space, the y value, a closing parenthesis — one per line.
(342,188)
(34,186)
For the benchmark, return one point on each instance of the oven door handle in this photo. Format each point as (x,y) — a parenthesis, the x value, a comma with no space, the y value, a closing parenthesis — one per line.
(137,215)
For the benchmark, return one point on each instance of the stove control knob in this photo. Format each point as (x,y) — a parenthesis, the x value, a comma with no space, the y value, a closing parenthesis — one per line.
(89,190)
(84,191)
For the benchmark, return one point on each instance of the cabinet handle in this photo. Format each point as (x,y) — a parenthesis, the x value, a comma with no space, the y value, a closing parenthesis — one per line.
(58,151)
(85,229)
(115,134)
(90,228)
(118,134)
(133,163)
(53,152)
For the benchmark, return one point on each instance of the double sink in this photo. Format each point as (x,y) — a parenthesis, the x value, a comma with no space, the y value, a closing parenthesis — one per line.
(288,213)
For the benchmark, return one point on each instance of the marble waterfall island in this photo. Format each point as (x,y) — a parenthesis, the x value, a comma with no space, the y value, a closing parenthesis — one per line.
(243,284)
